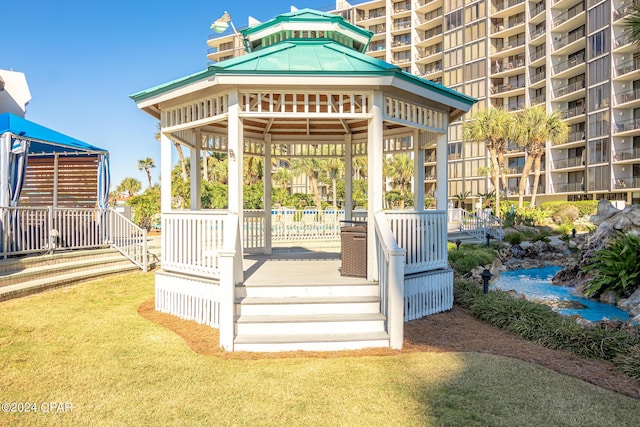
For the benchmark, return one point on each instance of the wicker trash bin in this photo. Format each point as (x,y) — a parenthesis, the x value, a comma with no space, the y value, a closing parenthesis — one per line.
(353,243)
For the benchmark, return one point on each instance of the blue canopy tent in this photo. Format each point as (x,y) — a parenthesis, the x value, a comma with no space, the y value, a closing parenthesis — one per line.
(21,140)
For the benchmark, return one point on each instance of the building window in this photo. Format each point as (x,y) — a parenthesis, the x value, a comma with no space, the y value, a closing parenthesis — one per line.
(599,97)
(453,20)
(599,16)
(599,124)
(598,44)
(598,151)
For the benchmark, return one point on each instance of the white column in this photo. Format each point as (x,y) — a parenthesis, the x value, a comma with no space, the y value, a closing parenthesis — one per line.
(442,171)
(348,177)
(418,170)
(375,182)
(235,148)
(165,173)
(267,194)
(5,149)
(196,174)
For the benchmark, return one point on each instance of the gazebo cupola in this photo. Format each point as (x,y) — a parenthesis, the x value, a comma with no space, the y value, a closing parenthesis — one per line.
(306,24)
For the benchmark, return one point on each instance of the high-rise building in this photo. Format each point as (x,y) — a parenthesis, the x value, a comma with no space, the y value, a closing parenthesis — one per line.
(572,56)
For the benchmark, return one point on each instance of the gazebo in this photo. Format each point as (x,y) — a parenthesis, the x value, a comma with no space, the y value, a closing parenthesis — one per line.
(305,88)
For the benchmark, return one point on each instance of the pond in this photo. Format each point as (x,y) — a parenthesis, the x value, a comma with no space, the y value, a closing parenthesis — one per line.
(535,284)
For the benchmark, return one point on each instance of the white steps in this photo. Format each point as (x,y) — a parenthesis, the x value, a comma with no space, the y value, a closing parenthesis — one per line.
(21,276)
(310,317)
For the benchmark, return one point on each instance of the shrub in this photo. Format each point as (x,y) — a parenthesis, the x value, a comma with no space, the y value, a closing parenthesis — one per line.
(566,213)
(542,236)
(616,267)
(585,207)
(540,324)
(513,238)
(471,256)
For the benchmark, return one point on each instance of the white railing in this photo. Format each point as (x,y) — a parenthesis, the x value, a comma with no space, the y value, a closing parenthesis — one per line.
(191,242)
(391,280)
(480,225)
(37,230)
(129,239)
(423,235)
(427,282)
(290,224)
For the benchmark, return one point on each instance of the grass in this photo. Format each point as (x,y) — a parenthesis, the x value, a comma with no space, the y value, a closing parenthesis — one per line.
(87,345)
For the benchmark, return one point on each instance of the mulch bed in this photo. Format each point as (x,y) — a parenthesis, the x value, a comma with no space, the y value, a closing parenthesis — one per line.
(454,331)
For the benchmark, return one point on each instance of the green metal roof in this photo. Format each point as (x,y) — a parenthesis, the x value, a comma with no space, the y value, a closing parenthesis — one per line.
(309,16)
(317,57)
(304,55)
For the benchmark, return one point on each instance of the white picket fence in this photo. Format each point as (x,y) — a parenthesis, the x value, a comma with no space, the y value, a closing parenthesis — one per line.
(37,230)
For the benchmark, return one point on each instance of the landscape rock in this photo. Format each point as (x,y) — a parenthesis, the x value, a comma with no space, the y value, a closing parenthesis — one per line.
(609,297)
(632,301)
(605,211)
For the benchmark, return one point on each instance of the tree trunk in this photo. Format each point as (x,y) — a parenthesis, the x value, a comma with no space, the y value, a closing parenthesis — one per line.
(148,171)
(536,178)
(496,178)
(334,184)
(183,164)
(502,174)
(205,166)
(524,180)
(316,194)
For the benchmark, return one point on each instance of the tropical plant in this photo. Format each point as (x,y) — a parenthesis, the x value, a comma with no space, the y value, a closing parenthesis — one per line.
(146,206)
(282,178)
(534,127)
(632,22)
(399,169)
(129,185)
(616,267)
(461,197)
(332,169)
(253,170)
(310,168)
(493,126)
(513,238)
(146,165)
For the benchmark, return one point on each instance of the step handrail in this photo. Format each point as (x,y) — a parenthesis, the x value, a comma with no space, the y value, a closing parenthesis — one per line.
(126,237)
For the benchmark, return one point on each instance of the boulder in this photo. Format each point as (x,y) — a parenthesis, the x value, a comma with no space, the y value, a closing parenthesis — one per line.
(631,302)
(605,211)
(609,297)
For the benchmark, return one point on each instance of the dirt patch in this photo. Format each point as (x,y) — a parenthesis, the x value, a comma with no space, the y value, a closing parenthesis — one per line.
(454,331)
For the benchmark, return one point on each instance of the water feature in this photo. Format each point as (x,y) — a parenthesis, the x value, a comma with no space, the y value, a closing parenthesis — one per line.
(535,284)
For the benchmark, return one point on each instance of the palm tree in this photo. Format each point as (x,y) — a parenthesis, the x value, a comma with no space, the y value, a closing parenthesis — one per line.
(534,127)
(308,167)
(129,185)
(633,24)
(399,169)
(146,165)
(494,127)
(185,176)
(282,178)
(462,196)
(333,168)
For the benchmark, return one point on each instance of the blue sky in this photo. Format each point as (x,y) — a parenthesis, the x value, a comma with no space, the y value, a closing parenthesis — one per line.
(83,58)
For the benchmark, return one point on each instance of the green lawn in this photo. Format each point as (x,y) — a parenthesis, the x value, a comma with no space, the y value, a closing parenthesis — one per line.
(87,345)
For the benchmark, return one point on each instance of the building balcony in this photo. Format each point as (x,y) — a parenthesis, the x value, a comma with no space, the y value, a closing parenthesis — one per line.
(568,187)
(537,33)
(571,162)
(628,154)
(426,52)
(428,36)
(569,113)
(402,7)
(628,67)
(565,90)
(537,55)
(507,87)
(501,6)
(627,183)
(540,99)
(428,19)
(575,136)
(401,26)
(625,9)
(370,15)
(628,96)
(562,41)
(509,46)
(376,47)
(568,64)
(568,15)
(626,125)
(508,64)
(538,9)
(535,78)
